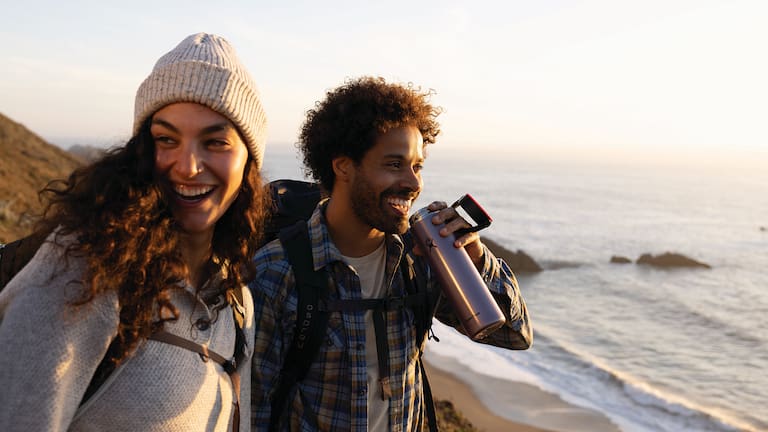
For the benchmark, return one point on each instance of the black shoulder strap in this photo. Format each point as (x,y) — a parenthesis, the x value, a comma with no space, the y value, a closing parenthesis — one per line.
(429,402)
(416,283)
(416,286)
(311,322)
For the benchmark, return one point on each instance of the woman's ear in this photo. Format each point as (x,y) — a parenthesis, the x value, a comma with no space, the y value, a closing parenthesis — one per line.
(343,169)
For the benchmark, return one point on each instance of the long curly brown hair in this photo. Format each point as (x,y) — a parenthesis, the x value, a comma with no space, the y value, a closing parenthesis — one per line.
(351,117)
(128,237)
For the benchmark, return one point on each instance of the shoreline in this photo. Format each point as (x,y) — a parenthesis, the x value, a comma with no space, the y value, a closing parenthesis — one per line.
(447,387)
(526,408)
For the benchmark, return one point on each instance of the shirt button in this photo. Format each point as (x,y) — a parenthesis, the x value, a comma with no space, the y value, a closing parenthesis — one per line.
(203,324)
(329,342)
(360,347)
(361,392)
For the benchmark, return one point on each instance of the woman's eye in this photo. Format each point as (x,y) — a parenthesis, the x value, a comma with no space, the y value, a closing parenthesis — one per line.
(394,164)
(418,167)
(217,143)
(162,139)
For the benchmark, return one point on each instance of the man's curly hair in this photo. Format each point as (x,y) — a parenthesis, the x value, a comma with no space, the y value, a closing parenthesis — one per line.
(352,116)
(126,232)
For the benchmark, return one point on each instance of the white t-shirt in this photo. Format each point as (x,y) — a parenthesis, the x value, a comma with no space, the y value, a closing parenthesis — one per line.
(371,270)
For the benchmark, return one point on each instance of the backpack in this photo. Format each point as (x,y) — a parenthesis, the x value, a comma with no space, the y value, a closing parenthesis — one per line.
(294,202)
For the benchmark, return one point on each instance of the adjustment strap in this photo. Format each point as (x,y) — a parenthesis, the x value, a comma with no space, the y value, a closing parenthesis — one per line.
(382,351)
(230,366)
(428,401)
(357,305)
(361,305)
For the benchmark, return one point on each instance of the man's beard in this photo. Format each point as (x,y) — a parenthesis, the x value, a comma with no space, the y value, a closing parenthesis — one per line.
(371,208)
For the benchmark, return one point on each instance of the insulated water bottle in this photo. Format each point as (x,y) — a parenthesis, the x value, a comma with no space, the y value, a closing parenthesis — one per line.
(461,283)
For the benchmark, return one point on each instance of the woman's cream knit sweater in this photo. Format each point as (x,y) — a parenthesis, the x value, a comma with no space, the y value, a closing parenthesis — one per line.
(49,350)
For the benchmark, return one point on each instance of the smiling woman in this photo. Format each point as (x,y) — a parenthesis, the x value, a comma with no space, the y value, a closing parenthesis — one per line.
(145,266)
(200,160)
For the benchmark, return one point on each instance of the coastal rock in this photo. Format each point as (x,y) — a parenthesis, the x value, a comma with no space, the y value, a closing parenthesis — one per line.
(518,262)
(618,259)
(449,419)
(669,259)
(560,264)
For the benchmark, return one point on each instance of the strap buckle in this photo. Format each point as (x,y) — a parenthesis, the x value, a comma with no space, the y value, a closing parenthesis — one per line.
(230,366)
(395,303)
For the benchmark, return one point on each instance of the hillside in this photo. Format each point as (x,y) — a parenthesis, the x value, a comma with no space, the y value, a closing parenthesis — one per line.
(27,164)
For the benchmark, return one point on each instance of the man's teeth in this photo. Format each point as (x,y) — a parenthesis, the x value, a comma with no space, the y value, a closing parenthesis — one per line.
(191,191)
(398,202)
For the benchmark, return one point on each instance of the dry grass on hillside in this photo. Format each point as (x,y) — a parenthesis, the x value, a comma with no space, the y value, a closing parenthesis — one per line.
(27,164)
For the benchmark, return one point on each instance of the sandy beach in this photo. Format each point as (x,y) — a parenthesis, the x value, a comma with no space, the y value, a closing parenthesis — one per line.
(517,407)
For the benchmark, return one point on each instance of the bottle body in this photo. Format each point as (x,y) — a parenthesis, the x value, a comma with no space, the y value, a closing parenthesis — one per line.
(459,279)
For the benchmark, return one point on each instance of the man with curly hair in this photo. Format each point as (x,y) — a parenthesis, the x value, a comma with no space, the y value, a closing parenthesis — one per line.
(365,145)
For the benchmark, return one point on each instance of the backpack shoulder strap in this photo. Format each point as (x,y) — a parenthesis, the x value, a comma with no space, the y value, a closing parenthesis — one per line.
(311,322)
(426,300)
(416,284)
(236,302)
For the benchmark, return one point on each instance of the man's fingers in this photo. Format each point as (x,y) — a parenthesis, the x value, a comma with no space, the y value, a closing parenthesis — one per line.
(437,205)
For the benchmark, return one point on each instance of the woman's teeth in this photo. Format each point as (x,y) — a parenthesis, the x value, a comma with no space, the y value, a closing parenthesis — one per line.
(191,191)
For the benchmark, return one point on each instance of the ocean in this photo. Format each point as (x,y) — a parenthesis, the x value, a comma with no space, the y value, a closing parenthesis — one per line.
(652,349)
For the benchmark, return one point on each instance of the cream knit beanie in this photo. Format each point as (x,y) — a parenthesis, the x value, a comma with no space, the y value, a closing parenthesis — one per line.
(204,69)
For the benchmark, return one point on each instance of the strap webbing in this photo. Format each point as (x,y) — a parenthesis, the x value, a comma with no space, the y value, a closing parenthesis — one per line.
(382,351)
(361,305)
(172,339)
(416,283)
(429,402)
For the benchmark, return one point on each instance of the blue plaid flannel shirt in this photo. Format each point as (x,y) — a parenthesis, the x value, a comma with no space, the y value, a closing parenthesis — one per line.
(333,395)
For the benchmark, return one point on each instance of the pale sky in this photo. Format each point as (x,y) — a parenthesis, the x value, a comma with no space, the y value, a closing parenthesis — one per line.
(553,78)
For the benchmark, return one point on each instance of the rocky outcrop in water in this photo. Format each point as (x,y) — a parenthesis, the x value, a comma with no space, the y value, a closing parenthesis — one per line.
(670,260)
(519,262)
(618,259)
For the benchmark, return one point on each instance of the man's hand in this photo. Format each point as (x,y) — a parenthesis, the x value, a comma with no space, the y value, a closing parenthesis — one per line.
(453,222)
